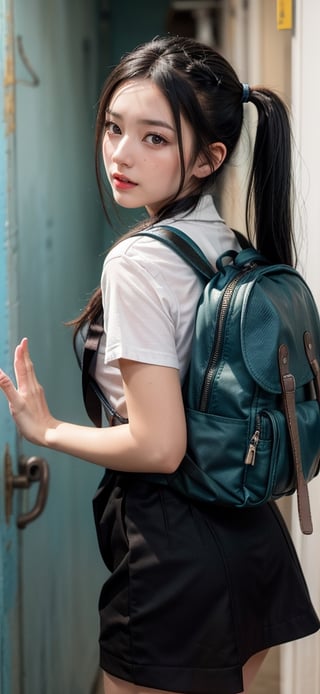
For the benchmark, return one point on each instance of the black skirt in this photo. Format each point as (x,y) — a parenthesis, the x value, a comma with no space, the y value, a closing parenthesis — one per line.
(194,590)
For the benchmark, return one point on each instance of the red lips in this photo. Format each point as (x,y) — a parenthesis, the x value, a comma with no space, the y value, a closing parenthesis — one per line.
(122,182)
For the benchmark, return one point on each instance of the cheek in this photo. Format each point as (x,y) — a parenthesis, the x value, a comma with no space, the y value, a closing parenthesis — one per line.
(106,157)
(104,149)
(169,165)
(107,147)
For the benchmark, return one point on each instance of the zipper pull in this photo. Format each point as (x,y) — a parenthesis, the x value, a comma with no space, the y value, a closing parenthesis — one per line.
(252,450)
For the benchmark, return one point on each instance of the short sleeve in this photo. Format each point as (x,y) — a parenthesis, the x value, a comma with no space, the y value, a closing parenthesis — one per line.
(140,313)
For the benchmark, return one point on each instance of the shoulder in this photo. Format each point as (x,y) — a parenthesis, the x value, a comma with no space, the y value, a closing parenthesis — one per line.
(140,253)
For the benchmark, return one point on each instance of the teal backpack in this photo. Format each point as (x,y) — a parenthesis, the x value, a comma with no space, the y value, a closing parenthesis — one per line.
(252,391)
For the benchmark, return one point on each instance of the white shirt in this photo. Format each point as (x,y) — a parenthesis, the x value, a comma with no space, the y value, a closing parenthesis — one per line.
(150,296)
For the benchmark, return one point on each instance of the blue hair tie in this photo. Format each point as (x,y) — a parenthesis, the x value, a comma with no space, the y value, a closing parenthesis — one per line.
(245,93)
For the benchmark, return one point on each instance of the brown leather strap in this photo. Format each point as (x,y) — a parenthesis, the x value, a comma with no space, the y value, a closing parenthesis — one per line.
(288,391)
(311,356)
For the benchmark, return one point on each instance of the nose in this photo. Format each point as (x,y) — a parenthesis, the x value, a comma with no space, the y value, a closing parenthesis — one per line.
(123,151)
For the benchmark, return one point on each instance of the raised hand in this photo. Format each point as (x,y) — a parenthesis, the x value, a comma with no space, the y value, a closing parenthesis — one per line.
(27,402)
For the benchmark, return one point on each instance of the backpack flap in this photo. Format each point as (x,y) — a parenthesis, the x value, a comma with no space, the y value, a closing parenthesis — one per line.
(277,309)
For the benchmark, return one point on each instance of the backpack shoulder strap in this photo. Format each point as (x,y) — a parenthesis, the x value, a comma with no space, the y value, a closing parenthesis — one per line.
(188,249)
(183,246)
(242,240)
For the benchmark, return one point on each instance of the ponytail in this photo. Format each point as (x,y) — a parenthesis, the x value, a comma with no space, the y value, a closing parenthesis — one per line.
(269,204)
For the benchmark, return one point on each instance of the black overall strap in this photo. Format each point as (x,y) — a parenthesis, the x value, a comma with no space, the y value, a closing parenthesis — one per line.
(86,344)
(90,348)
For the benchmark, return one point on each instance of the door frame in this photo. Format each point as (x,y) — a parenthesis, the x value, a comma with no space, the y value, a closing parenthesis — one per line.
(10,652)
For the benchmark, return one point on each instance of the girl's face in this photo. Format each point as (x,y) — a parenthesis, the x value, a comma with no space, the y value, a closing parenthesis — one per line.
(140,148)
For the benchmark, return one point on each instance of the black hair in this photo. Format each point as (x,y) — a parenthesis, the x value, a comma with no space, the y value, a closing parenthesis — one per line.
(202,86)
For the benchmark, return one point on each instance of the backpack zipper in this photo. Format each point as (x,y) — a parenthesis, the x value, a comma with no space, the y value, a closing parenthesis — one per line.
(250,458)
(215,352)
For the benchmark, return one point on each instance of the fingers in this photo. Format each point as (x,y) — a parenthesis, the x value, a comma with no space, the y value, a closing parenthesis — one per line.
(9,390)
(23,367)
(27,402)
(25,377)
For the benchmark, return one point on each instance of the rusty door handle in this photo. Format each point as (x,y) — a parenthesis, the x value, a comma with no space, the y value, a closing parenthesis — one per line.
(31,470)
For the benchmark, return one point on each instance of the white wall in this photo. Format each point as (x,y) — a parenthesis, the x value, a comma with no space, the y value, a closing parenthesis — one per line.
(287,61)
(301,660)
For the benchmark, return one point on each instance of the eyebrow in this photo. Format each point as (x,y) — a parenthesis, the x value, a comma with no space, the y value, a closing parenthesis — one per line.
(143,121)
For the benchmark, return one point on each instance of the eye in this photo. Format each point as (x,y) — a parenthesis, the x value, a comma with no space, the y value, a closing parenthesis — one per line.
(155,139)
(112,128)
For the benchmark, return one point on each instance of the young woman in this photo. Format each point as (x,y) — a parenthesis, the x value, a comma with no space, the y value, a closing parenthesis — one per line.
(196,594)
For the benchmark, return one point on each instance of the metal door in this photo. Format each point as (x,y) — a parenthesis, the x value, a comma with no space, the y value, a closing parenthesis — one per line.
(51,241)
(9,575)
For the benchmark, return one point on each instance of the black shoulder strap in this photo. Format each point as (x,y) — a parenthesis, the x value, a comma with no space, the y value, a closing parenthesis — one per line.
(86,344)
(242,240)
(183,246)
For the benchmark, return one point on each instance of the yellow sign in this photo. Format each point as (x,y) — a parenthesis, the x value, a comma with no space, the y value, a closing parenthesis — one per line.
(284,14)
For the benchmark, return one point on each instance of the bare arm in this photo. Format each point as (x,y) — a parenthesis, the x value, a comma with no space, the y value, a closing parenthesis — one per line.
(154,440)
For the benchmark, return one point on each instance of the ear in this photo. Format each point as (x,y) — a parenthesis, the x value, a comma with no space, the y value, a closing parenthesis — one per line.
(203,168)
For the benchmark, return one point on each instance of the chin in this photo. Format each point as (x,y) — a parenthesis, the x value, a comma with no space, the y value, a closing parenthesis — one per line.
(126,204)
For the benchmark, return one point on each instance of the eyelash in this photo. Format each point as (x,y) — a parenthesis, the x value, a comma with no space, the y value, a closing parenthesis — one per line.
(109,126)
(160,138)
